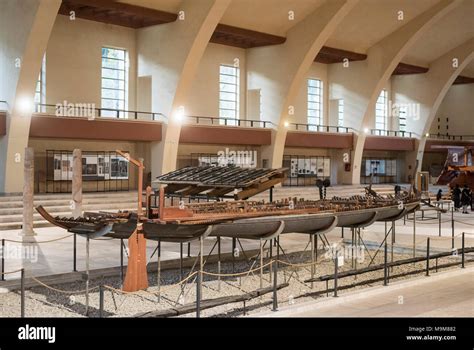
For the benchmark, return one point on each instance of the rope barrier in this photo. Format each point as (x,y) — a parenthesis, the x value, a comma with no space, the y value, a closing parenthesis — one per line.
(10,272)
(297,265)
(63,291)
(238,273)
(51,240)
(153,293)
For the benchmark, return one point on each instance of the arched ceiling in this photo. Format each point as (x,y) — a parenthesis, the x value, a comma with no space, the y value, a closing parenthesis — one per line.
(372,20)
(451,31)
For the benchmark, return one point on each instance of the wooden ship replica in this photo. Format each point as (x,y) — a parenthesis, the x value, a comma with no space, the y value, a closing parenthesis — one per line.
(458,168)
(237,218)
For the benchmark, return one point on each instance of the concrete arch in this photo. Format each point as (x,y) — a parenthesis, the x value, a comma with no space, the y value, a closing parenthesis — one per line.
(172,66)
(431,88)
(304,41)
(33,22)
(382,60)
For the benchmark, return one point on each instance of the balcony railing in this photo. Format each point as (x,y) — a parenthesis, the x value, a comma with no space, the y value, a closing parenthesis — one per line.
(381,132)
(320,128)
(451,137)
(3,106)
(249,123)
(86,111)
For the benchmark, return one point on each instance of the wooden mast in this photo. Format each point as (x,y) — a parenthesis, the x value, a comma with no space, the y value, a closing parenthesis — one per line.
(136,277)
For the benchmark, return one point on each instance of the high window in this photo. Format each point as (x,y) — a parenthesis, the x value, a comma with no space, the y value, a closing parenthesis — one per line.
(315,100)
(40,91)
(381,111)
(402,118)
(114,82)
(340,113)
(228,94)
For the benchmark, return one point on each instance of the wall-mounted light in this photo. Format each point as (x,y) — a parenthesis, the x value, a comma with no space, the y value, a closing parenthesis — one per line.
(286,124)
(179,114)
(366,130)
(25,105)
(427,134)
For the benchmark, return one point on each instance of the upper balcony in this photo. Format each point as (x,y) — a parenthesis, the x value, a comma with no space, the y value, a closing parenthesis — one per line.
(319,136)
(388,140)
(83,122)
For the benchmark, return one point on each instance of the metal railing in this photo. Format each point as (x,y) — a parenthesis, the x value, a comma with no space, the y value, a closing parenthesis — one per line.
(450,137)
(92,112)
(321,128)
(3,106)
(252,123)
(381,132)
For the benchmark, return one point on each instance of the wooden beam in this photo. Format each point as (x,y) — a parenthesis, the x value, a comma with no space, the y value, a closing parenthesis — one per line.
(107,11)
(243,38)
(463,80)
(329,55)
(405,68)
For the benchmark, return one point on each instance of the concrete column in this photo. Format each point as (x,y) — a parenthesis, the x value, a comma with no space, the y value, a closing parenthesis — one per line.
(28,195)
(25,27)
(76,204)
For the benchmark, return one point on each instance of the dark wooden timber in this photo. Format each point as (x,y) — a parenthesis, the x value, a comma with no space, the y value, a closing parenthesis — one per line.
(404,68)
(210,303)
(463,80)
(113,12)
(243,38)
(329,55)
(220,181)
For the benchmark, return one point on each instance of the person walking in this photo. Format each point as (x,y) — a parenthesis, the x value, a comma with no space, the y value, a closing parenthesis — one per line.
(439,195)
(465,198)
(456,197)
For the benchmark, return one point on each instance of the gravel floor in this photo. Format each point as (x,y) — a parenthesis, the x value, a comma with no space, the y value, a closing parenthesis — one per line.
(43,302)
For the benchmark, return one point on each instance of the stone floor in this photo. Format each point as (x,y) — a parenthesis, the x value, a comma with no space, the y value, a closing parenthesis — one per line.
(446,294)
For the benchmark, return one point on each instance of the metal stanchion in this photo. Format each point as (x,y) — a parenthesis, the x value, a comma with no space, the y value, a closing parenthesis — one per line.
(275,284)
(336,262)
(101,301)
(219,263)
(462,261)
(385,275)
(181,260)
(74,264)
(428,256)
(158,276)
(121,261)
(198,295)
(414,233)
(189,249)
(261,264)
(22,293)
(3,259)
(452,227)
(312,259)
(87,276)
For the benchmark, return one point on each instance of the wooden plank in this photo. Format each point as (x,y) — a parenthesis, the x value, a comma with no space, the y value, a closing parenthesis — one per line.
(210,303)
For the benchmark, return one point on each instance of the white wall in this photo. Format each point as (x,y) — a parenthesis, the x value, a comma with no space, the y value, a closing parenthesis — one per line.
(73,60)
(458,106)
(204,97)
